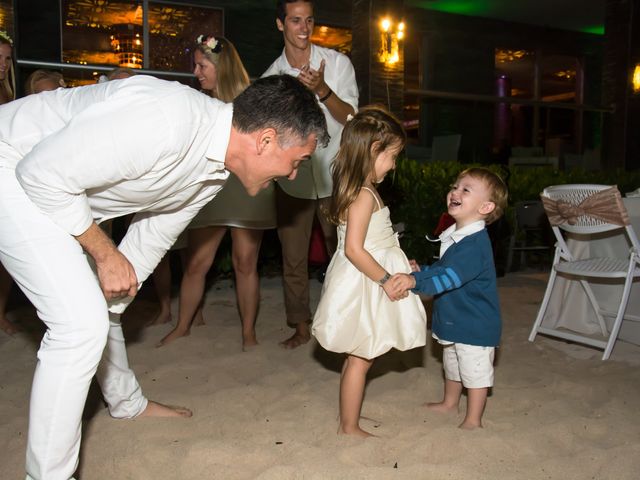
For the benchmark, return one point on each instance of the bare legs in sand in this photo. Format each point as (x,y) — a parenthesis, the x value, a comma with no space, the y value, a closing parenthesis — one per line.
(476,401)
(5,288)
(202,246)
(352,383)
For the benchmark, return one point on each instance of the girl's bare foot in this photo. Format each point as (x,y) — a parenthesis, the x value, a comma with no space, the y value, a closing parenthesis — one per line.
(155,409)
(173,335)
(441,407)
(7,327)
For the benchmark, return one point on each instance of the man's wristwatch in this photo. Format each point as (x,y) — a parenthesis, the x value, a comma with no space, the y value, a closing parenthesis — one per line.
(384,279)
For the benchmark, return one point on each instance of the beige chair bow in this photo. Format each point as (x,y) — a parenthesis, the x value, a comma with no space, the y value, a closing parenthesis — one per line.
(605,205)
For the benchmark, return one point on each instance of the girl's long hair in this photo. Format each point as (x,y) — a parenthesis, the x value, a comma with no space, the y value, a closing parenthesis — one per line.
(372,130)
(232,78)
(9,82)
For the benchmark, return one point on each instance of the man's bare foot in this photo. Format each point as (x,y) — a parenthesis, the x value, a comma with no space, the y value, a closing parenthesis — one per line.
(164,316)
(173,335)
(8,327)
(300,337)
(155,409)
(441,407)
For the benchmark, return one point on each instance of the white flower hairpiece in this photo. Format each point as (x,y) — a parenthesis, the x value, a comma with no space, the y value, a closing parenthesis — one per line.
(209,42)
(349,117)
(6,36)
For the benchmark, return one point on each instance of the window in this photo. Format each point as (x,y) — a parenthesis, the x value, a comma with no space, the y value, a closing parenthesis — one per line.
(113,33)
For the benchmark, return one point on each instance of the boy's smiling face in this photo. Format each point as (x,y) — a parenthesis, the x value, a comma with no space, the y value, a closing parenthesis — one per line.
(469,200)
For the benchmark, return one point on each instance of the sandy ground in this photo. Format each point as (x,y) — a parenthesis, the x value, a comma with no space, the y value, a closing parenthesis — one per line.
(556,412)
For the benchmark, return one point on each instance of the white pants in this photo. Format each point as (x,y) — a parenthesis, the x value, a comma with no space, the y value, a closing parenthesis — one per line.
(52,270)
(470,364)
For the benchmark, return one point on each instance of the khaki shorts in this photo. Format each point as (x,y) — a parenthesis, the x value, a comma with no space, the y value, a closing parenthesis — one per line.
(470,364)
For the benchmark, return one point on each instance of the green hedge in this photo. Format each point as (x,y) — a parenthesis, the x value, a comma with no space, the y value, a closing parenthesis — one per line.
(416,193)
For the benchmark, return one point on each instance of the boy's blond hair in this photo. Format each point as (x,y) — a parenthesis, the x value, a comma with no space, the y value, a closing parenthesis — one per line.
(498,192)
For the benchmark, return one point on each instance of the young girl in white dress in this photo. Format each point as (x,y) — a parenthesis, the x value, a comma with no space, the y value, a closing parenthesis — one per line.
(362,313)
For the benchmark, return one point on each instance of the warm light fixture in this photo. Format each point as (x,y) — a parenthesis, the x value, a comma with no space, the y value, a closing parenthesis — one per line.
(635,80)
(504,55)
(390,39)
(127,45)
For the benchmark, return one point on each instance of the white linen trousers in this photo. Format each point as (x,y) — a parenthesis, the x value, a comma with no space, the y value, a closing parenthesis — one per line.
(52,270)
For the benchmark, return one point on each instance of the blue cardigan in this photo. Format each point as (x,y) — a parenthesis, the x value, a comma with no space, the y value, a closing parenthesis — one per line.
(463,282)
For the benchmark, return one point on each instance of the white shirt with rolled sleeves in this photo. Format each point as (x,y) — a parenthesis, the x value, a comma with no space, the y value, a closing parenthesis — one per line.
(73,156)
(139,145)
(314,178)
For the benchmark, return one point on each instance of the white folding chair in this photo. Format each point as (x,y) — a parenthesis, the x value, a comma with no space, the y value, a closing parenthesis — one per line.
(588,209)
(531,233)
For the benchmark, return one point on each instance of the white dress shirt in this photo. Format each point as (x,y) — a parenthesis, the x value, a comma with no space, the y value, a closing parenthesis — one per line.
(454,235)
(314,178)
(138,145)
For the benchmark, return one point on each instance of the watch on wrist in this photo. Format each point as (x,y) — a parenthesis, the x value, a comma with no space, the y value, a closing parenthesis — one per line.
(384,279)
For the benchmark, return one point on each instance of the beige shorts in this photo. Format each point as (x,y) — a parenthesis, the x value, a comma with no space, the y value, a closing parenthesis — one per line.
(470,364)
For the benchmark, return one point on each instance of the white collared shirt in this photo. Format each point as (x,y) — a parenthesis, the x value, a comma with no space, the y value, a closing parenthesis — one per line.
(138,145)
(314,177)
(451,235)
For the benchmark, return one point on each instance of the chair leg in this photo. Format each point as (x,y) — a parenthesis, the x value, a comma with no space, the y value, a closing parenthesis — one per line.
(594,304)
(543,306)
(615,329)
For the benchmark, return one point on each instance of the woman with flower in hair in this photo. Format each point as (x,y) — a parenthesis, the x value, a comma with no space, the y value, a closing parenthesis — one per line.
(222,75)
(7,93)
(7,72)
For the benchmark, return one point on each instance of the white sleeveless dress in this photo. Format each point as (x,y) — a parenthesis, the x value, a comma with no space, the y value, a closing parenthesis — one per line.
(354,315)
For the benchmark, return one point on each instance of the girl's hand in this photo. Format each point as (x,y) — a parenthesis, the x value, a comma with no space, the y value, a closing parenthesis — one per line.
(402,282)
(395,287)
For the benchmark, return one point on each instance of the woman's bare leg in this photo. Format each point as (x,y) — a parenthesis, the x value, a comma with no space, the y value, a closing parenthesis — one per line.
(245,251)
(202,246)
(162,286)
(5,289)
(352,383)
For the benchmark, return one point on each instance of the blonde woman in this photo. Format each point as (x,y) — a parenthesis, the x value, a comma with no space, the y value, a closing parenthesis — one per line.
(7,71)
(7,93)
(221,74)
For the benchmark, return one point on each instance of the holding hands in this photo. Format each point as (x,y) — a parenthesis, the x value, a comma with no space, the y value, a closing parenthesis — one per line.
(398,286)
(403,282)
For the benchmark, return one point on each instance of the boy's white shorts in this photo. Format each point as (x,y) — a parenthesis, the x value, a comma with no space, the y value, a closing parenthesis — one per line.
(470,364)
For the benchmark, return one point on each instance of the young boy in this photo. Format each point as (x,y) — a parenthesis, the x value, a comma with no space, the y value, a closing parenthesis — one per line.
(466,311)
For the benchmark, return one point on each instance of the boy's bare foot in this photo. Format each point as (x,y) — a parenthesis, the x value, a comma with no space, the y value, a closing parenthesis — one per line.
(162,318)
(173,335)
(468,425)
(155,409)
(7,327)
(355,431)
(441,407)
(300,337)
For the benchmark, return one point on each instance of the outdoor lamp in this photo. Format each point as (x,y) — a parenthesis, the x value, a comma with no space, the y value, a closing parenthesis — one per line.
(635,79)
(390,36)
